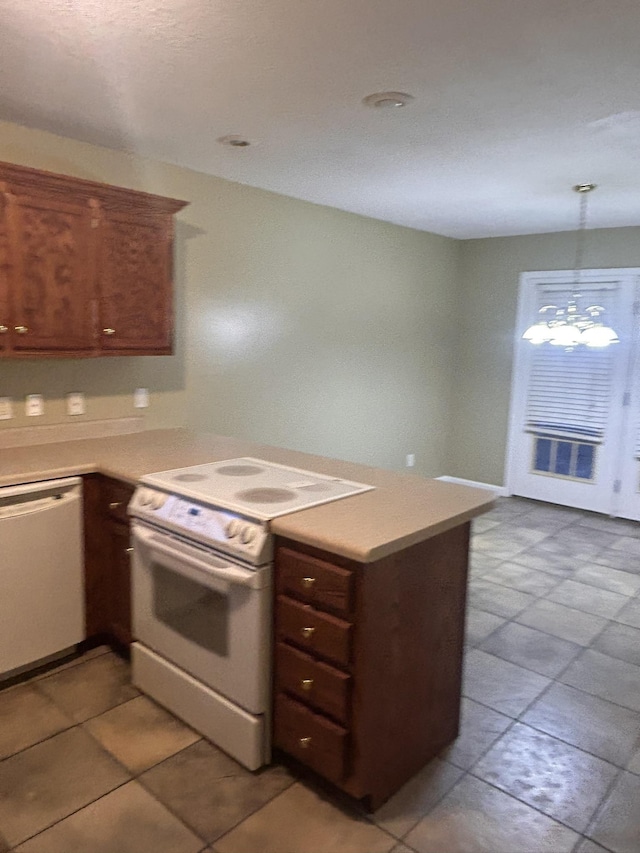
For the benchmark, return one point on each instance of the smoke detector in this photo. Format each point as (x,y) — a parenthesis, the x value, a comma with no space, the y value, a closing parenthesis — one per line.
(381,100)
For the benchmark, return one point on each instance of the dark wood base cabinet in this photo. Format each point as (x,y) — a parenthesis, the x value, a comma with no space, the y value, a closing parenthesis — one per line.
(107,559)
(368,660)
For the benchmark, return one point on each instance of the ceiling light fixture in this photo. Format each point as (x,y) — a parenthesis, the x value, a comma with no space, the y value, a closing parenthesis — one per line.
(567,326)
(381,100)
(234,141)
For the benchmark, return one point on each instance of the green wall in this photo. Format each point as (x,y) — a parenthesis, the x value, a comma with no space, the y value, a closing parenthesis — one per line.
(297,325)
(489,279)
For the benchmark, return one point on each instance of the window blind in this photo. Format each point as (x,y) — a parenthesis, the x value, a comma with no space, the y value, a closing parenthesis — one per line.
(569,392)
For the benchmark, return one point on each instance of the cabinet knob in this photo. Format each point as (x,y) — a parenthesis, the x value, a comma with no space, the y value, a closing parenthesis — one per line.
(307,633)
(115,504)
(21,330)
(108,331)
(307,583)
(4,330)
(306,683)
(305,742)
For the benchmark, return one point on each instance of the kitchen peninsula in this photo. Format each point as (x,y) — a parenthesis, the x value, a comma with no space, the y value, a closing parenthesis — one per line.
(369,689)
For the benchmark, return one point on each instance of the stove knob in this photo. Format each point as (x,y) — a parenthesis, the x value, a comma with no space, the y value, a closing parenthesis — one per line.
(247,535)
(232,529)
(158,500)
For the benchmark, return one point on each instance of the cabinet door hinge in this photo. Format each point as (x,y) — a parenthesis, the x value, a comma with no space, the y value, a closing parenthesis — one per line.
(626,398)
(617,485)
(636,308)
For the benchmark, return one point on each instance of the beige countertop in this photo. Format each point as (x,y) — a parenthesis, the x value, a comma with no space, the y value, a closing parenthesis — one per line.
(402,510)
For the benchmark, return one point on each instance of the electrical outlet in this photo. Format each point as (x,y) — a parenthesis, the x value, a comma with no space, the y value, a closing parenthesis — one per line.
(34,405)
(141,398)
(75,403)
(411,460)
(6,408)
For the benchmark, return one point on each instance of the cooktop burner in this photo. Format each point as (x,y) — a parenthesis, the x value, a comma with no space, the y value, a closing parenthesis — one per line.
(254,488)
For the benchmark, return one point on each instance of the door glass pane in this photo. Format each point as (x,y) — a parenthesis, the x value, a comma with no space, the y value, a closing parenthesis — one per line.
(197,613)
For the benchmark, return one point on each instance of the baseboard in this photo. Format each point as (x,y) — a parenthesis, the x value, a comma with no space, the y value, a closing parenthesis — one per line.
(501,491)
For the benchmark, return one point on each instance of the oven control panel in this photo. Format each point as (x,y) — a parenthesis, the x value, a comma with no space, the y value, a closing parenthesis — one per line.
(227,531)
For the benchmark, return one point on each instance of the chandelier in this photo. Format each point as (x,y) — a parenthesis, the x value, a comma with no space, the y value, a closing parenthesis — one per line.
(567,325)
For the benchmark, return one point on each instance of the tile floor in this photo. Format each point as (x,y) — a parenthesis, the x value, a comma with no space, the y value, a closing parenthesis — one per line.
(548,760)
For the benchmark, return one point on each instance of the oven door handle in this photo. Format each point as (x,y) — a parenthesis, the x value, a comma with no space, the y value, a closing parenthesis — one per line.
(188,562)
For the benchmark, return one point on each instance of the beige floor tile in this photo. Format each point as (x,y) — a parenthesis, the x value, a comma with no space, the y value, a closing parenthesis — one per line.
(75,661)
(589,599)
(560,621)
(209,791)
(140,734)
(588,846)
(479,624)
(399,814)
(522,579)
(476,818)
(613,580)
(563,782)
(501,685)
(301,821)
(27,717)
(609,678)
(630,614)
(50,780)
(479,728)
(90,688)
(128,820)
(617,827)
(531,649)
(586,721)
(497,599)
(620,641)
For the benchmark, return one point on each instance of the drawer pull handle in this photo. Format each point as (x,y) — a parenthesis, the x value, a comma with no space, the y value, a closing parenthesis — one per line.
(21,330)
(128,550)
(4,330)
(304,742)
(115,504)
(108,331)
(307,583)
(306,683)
(307,633)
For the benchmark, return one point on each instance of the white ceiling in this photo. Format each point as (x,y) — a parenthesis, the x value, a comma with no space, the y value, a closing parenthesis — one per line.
(515,100)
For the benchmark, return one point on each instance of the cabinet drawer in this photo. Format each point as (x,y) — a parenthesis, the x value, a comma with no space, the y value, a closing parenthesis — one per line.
(313,682)
(116,499)
(311,738)
(314,581)
(313,631)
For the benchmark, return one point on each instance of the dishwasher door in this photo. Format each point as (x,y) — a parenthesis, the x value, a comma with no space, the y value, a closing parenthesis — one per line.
(41,572)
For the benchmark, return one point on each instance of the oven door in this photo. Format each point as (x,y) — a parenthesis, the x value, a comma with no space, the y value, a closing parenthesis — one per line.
(204,613)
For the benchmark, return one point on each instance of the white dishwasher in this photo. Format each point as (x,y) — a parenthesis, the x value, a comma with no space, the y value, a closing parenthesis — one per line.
(41,572)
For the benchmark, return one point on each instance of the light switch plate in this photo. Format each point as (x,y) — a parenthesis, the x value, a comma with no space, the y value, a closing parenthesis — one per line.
(34,405)
(6,408)
(75,403)
(141,398)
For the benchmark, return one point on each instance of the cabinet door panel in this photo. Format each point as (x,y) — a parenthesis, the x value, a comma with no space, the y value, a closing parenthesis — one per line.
(5,271)
(135,282)
(53,273)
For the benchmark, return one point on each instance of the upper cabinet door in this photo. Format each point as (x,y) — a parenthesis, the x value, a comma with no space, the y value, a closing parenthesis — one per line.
(5,270)
(52,243)
(135,282)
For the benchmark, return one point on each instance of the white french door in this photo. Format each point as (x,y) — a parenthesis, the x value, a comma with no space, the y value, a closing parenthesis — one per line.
(574,435)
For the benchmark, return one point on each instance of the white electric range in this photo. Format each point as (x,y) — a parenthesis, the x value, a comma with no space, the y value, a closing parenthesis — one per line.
(202,591)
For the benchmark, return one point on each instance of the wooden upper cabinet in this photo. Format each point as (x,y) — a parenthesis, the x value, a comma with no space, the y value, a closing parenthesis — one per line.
(52,274)
(5,270)
(85,268)
(134,282)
